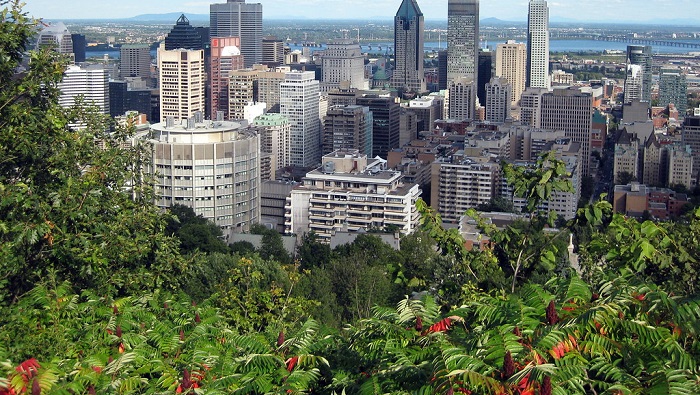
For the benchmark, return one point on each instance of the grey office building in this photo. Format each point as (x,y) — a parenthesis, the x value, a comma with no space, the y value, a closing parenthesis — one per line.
(236,18)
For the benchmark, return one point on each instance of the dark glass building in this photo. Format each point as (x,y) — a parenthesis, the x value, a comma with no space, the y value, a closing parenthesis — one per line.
(386,129)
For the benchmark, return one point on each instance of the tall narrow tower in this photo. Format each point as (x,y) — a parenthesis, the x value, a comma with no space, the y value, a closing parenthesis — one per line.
(538,45)
(640,55)
(299,102)
(182,81)
(409,26)
(462,39)
(236,18)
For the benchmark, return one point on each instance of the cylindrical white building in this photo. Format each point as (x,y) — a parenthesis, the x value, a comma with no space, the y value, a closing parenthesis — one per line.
(212,167)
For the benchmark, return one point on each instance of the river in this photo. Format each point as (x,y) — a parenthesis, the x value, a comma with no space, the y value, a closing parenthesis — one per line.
(554,46)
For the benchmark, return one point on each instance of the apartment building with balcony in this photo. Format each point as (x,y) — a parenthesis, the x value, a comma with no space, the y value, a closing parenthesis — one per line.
(352,192)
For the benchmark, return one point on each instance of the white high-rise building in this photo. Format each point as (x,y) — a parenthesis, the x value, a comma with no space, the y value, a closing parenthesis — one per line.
(462,95)
(182,80)
(511,64)
(299,102)
(634,82)
(462,40)
(498,99)
(538,45)
(236,18)
(343,61)
(90,82)
(352,192)
(57,36)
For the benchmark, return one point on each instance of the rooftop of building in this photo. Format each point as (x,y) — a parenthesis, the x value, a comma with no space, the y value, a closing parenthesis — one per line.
(271,119)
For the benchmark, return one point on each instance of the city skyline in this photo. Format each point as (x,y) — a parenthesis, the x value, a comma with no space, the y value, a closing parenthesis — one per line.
(515,10)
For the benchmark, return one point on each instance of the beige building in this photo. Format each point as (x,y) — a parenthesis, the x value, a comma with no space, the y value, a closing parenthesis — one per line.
(626,157)
(182,79)
(212,167)
(511,64)
(680,165)
(459,183)
(275,140)
(259,84)
(462,99)
(351,192)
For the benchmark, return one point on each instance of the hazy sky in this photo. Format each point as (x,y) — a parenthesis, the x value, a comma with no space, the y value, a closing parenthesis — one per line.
(593,10)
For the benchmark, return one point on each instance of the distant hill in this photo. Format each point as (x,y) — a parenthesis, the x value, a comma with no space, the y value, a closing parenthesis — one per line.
(499,22)
(169,17)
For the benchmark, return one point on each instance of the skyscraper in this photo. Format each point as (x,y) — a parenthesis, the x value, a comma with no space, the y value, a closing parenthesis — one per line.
(89,82)
(57,36)
(498,99)
(236,18)
(462,99)
(79,47)
(183,36)
(299,102)
(673,89)
(538,45)
(511,63)
(386,130)
(225,58)
(135,61)
(348,127)
(641,55)
(571,110)
(462,39)
(634,83)
(343,61)
(409,26)
(272,51)
(181,83)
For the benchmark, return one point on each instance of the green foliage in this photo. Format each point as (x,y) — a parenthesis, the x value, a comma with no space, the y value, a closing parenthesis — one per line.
(154,343)
(271,246)
(311,253)
(67,204)
(194,231)
(258,294)
(537,184)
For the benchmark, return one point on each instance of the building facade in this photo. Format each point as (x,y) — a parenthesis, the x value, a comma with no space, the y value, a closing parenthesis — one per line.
(236,18)
(462,40)
(459,183)
(272,51)
(641,56)
(351,192)
(498,99)
(212,167)
(184,36)
(673,89)
(56,35)
(226,57)
(275,139)
(538,45)
(348,128)
(511,64)
(343,61)
(91,82)
(135,61)
(299,102)
(570,110)
(182,80)
(409,27)
(462,99)
(386,129)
